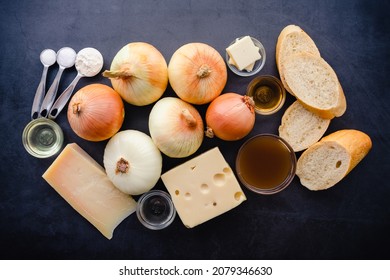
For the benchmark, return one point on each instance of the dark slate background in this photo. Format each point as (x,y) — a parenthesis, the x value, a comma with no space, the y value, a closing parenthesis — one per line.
(349,221)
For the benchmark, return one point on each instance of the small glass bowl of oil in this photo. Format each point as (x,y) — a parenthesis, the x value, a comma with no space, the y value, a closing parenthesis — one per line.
(155,210)
(42,138)
(268,94)
(266,164)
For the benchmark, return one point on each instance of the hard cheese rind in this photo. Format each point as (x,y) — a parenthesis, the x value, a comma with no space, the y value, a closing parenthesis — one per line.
(83,183)
(203,188)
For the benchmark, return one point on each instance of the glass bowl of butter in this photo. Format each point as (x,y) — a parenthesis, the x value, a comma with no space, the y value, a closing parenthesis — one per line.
(245,56)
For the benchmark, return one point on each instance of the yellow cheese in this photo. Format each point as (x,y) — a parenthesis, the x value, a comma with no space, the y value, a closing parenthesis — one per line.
(203,188)
(83,183)
(243,53)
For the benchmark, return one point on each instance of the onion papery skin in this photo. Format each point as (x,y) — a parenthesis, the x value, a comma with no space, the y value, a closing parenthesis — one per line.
(197,73)
(170,128)
(230,117)
(139,73)
(96,112)
(143,157)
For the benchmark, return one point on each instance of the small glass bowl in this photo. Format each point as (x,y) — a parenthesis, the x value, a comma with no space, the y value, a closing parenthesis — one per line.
(42,138)
(155,210)
(249,158)
(258,64)
(268,93)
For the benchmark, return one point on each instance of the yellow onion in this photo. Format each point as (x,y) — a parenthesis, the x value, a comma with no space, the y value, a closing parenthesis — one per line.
(197,73)
(176,127)
(230,117)
(138,73)
(96,112)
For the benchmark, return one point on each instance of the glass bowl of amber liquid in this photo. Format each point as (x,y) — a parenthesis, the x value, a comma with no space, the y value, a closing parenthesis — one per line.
(268,94)
(266,164)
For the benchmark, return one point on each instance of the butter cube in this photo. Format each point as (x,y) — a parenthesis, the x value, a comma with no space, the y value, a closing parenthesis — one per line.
(243,53)
(248,68)
(203,188)
(83,183)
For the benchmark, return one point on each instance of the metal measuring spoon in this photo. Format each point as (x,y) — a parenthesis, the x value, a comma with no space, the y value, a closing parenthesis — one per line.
(48,58)
(65,59)
(89,62)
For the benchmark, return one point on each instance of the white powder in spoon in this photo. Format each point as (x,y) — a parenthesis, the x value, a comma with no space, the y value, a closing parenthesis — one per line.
(66,57)
(48,57)
(89,62)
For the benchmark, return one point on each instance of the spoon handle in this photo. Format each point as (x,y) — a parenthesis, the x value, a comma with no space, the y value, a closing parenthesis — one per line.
(39,94)
(51,94)
(63,98)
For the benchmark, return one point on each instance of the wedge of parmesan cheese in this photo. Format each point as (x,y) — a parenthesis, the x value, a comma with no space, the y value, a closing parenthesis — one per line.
(83,183)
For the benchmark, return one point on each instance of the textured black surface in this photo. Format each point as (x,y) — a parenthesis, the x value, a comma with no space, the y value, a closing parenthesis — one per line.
(349,221)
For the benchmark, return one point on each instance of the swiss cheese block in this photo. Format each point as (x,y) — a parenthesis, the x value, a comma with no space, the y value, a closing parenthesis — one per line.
(83,183)
(203,188)
(243,53)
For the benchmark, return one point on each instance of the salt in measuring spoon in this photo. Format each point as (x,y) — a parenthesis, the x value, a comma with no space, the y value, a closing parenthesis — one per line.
(65,58)
(48,58)
(89,62)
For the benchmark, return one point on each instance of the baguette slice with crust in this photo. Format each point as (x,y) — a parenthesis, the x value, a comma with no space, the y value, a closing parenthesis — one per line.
(292,39)
(302,128)
(327,162)
(313,82)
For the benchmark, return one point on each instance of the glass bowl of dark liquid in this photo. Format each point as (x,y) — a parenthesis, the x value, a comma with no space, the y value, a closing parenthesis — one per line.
(266,164)
(155,210)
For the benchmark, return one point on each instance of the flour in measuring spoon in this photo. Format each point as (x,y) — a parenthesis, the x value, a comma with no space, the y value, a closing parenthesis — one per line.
(89,62)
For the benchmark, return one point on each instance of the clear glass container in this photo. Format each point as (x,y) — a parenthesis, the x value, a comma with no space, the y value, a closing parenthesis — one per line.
(268,94)
(259,64)
(266,164)
(155,210)
(42,138)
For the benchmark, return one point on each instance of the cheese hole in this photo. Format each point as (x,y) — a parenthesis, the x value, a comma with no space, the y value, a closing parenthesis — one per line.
(227,171)
(204,188)
(238,196)
(219,179)
(177,192)
(338,164)
(187,196)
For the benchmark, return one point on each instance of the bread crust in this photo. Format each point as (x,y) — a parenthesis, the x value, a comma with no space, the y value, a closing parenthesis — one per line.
(355,143)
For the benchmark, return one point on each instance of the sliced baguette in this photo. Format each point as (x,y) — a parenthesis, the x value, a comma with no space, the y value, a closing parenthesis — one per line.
(292,39)
(302,128)
(313,82)
(327,162)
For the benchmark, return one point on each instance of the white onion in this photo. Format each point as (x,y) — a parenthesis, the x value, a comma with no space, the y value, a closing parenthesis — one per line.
(132,162)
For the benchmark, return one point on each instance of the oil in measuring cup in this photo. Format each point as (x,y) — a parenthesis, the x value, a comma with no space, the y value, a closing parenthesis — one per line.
(42,138)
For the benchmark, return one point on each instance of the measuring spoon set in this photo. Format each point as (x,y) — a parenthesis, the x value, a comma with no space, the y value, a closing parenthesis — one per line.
(44,105)
(42,137)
